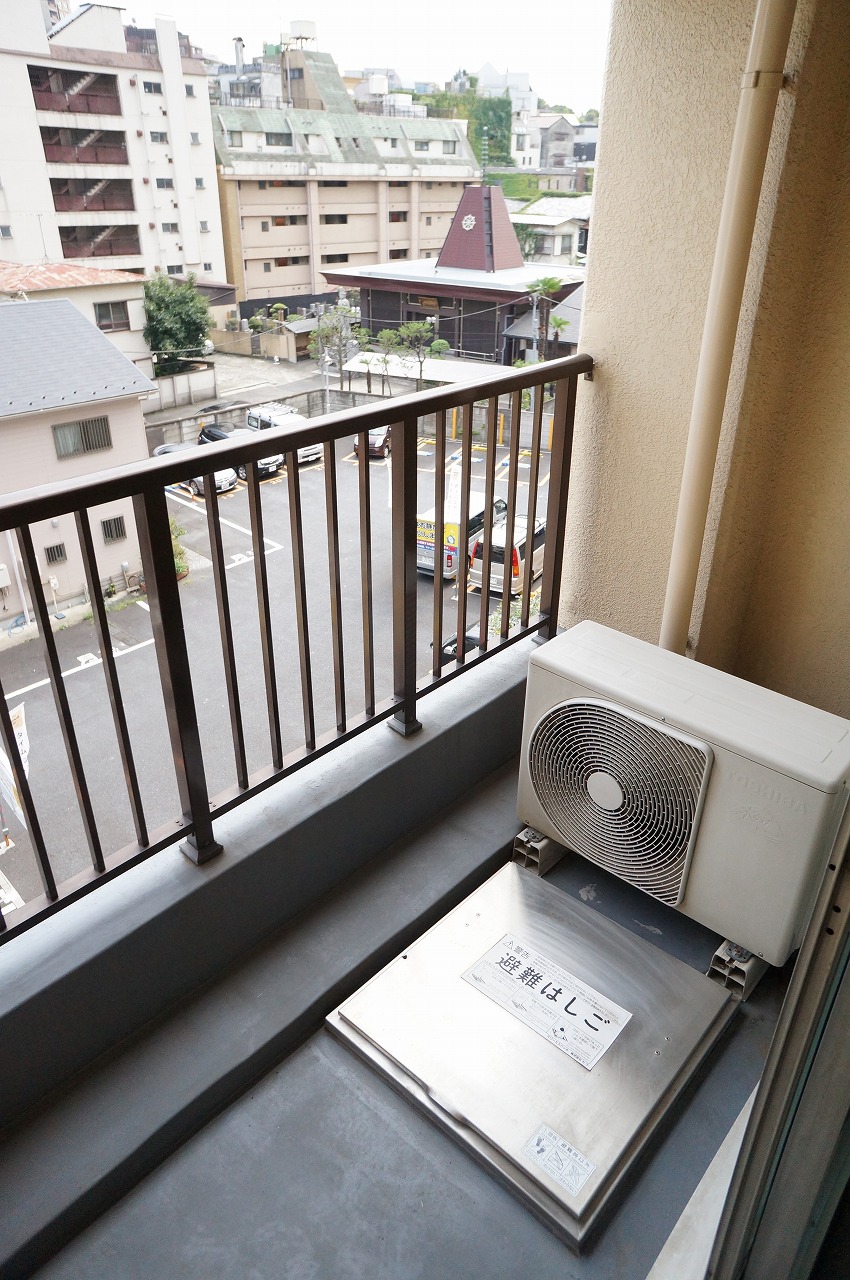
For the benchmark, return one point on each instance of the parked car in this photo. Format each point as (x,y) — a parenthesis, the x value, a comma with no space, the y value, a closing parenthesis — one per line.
(278,414)
(519,557)
(224,480)
(269,466)
(379,442)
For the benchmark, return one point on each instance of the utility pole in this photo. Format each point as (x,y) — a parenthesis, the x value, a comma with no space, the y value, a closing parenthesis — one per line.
(485,146)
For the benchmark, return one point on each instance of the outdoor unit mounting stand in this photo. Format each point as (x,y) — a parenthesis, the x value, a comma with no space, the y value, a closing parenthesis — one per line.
(716,796)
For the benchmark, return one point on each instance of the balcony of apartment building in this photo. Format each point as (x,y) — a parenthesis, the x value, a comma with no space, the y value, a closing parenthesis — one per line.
(88,92)
(110,241)
(83,146)
(77,195)
(164,1029)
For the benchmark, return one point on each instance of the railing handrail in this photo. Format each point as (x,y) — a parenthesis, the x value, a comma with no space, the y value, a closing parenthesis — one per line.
(96,488)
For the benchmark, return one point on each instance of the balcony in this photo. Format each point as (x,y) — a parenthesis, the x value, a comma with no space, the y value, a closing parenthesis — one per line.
(79,146)
(90,93)
(99,242)
(76,195)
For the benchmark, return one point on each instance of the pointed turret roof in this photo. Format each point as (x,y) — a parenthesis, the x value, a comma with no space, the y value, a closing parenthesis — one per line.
(481,237)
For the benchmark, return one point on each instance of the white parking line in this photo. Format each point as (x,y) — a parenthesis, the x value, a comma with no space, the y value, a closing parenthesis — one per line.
(84,661)
(231,524)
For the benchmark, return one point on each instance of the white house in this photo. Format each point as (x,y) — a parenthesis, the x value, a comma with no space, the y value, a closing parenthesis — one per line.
(560,225)
(106,140)
(69,405)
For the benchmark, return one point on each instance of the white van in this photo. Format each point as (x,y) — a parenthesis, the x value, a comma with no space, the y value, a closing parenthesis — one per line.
(518,554)
(277,414)
(426,531)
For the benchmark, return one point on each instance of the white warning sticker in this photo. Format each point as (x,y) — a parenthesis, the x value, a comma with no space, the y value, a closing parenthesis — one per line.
(558,1006)
(561,1161)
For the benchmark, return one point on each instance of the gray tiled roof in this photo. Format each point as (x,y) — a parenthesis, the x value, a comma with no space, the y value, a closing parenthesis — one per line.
(51,357)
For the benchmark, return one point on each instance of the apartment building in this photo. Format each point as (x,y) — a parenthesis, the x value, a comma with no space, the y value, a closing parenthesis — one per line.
(106,145)
(308,188)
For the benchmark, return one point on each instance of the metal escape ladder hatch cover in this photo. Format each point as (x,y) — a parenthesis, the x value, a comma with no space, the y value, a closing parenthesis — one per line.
(549,1041)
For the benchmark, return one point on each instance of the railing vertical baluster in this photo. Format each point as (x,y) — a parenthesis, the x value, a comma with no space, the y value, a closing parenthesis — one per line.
(261,580)
(487,530)
(533,480)
(463,534)
(439,536)
(366,574)
(172,656)
(225,627)
(293,480)
(513,477)
(116,702)
(33,825)
(556,515)
(60,697)
(332,520)
(404,481)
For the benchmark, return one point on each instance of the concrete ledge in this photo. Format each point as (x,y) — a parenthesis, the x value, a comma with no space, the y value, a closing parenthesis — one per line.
(80,1154)
(81,982)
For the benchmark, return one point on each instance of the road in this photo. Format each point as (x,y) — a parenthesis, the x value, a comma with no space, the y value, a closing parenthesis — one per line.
(24,676)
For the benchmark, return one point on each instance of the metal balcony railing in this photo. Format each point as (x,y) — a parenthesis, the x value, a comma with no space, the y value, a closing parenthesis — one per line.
(126,246)
(103,201)
(261,670)
(59,153)
(103,104)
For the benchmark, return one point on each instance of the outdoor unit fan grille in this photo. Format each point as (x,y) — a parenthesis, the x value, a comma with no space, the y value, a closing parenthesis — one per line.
(620,791)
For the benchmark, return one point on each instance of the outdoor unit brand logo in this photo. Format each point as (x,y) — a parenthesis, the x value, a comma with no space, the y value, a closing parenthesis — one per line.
(767,792)
(761,822)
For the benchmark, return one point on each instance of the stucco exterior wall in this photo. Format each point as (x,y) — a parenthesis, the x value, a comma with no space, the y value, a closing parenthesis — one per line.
(773,600)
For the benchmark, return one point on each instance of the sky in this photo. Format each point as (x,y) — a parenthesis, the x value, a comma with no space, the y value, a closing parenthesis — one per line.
(561,46)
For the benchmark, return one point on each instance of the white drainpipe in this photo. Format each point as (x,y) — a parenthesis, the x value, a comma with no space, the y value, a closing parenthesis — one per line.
(756,109)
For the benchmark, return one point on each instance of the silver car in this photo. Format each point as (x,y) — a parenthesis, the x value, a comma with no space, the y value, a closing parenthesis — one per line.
(518,550)
(224,480)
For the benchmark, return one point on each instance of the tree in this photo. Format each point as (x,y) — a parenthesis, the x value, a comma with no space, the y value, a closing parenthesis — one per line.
(388,343)
(527,237)
(591,116)
(417,337)
(337,336)
(559,324)
(544,290)
(178,321)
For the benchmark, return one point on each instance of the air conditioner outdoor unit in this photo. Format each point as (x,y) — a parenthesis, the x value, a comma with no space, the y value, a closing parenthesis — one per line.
(711,794)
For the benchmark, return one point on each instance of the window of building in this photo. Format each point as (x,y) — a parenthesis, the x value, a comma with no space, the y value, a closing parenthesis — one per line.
(5,232)
(165,184)
(207,266)
(428,186)
(195,139)
(291,261)
(264,226)
(205,226)
(199,184)
(395,183)
(520,142)
(296,73)
(113,529)
(156,136)
(398,215)
(559,137)
(290,220)
(393,143)
(267,266)
(88,435)
(280,182)
(428,221)
(190,91)
(171,228)
(427,253)
(234,139)
(278,139)
(334,257)
(449,148)
(421,146)
(151,86)
(398,253)
(334,183)
(56,554)
(333,219)
(111,316)
(175,269)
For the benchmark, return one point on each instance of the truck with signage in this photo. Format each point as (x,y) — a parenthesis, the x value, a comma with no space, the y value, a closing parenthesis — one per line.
(426,530)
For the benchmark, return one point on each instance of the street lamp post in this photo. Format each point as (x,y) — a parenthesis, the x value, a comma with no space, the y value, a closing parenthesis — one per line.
(325,363)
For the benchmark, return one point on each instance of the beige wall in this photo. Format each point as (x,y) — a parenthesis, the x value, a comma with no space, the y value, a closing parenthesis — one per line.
(774,594)
(27,447)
